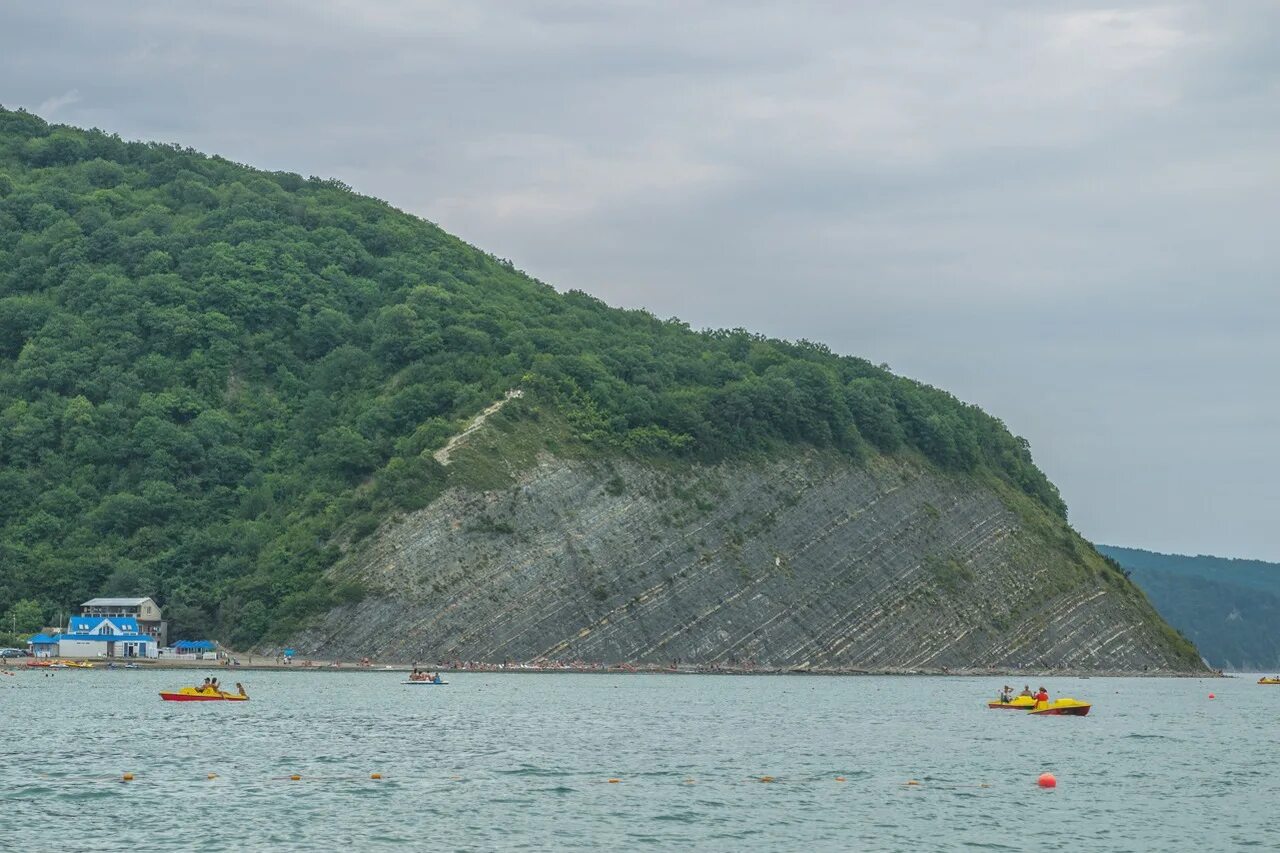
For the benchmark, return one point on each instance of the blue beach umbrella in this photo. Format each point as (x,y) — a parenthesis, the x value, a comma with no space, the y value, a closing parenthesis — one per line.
(288,653)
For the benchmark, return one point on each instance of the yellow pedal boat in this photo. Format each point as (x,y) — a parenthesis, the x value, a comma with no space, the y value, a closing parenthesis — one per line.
(1017,703)
(191,694)
(1265,680)
(1064,707)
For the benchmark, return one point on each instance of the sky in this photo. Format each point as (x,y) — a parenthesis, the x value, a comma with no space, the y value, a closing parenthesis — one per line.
(1065,212)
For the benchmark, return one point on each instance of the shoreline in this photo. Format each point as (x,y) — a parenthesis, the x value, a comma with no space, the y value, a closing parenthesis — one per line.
(251,663)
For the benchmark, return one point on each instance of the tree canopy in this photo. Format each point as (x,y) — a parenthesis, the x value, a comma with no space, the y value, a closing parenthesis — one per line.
(208,371)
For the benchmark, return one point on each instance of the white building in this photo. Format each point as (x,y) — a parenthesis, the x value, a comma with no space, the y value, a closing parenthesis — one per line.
(102,636)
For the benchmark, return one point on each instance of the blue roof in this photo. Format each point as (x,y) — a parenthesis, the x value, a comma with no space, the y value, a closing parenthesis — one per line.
(85,624)
(42,640)
(195,645)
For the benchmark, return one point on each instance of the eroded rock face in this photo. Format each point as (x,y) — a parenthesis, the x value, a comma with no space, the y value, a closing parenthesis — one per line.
(809,562)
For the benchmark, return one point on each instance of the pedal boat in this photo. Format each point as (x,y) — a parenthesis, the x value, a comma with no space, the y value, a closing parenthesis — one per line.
(190,694)
(1017,703)
(427,683)
(1266,680)
(1064,707)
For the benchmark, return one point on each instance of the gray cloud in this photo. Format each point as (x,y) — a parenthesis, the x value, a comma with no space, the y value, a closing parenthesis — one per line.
(1063,212)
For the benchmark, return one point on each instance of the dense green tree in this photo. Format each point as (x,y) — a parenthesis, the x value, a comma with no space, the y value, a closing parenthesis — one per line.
(212,376)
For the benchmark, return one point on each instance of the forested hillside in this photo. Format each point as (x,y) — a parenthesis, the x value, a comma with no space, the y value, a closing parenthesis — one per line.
(1229,608)
(212,378)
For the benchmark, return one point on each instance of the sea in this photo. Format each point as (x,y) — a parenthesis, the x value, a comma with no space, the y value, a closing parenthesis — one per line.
(632,762)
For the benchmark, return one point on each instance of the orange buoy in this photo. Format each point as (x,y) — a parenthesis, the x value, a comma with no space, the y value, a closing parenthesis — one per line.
(839,778)
(766,778)
(212,776)
(912,782)
(1047,780)
(295,778)
(128,777)
(375,775)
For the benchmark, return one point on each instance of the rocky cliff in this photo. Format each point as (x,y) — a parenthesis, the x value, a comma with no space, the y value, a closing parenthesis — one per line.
(807,561)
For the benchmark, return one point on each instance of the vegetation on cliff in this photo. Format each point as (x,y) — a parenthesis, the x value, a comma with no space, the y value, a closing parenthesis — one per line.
(211,375)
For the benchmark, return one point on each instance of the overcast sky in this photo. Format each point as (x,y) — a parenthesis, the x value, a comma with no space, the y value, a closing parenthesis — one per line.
(1067,213)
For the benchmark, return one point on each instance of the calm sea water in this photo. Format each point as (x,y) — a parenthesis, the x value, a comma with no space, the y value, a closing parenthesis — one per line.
(523,762)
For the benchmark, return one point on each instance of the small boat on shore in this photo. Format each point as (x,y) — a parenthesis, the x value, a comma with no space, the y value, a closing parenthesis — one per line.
(191,694)
(1064,707)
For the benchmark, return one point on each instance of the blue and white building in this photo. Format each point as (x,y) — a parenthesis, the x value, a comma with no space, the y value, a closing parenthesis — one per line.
(43,645)
(106,636)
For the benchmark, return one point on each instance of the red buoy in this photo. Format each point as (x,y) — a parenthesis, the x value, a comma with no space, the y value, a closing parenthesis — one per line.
(1210,695)
(1047,780)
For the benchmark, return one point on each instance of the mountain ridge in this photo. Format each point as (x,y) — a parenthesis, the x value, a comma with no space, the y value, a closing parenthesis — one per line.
(217,382)
(1230,607)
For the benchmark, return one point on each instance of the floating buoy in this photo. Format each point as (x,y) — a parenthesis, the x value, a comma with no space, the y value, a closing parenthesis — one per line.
(375,775)
(689,782)
(213,776)
(912,782)
(295,778)
(839,778)
(614,781)
(1047,780)
(766,778)
(128,777)
(1210,695)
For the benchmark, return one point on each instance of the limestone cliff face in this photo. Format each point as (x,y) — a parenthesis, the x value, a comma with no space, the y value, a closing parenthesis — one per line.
(811,561)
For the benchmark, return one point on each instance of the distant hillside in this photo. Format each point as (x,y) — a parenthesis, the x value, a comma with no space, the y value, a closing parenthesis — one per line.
(216,383)
(1229,608)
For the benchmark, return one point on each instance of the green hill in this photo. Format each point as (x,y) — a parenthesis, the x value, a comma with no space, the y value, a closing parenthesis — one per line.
(1230,608)
(214,380)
